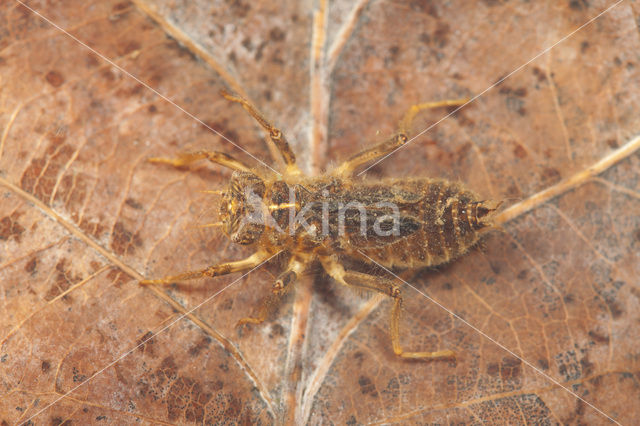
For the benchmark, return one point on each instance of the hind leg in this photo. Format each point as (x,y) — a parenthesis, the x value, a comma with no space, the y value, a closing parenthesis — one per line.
(387,287)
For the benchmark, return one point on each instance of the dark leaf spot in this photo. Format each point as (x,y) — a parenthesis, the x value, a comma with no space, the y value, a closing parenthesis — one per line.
(119,7)
(424,6)
(123,240)
(519,151)
(511,368)
(130,46)
(133,203)
(276,331)
(145,343)
(584,46)
(54,78)
(612,143)
(549,174)
(544,364)
(30,266)
(367,386)
(578,4)
(10,228)
(276,34)
(198,347)
(59,421)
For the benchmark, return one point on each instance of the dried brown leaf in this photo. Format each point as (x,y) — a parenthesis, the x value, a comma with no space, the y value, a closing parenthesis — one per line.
(83,216)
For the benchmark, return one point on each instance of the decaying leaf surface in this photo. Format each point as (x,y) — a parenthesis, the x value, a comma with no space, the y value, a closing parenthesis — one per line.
(83,216)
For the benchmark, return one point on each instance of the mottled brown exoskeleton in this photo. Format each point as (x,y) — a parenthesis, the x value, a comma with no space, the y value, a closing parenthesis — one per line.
(409,223)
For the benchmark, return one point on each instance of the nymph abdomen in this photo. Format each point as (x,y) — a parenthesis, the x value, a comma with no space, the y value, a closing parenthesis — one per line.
(449,220)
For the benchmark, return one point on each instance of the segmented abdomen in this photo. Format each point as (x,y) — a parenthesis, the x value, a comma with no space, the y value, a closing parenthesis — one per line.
(451,219)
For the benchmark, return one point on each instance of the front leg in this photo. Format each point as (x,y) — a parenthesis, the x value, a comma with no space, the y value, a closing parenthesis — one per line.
(214,270)
(275,135)
(384,286)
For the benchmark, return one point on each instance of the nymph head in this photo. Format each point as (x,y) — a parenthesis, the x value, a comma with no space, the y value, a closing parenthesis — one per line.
(241,210)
